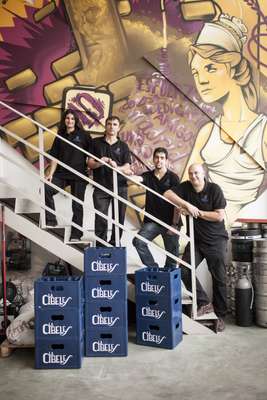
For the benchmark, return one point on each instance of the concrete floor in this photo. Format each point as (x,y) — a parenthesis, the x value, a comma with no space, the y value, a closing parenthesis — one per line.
(229,366)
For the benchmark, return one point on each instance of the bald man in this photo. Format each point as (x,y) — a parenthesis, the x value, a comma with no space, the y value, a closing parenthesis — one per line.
(210,237)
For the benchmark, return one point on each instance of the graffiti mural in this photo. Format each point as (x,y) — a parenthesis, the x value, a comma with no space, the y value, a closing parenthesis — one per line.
(187,75)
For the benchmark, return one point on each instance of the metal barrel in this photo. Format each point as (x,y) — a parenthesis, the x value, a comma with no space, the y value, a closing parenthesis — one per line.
(260,280)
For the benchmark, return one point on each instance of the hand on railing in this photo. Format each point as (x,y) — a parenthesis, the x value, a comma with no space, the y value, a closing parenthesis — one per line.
(189,209)
(49,176)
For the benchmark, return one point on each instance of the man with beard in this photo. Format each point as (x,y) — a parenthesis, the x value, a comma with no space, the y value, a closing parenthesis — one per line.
(160,180)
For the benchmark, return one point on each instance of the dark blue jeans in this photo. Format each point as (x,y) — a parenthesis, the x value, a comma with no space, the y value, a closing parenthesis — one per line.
(215,256)
(150,230)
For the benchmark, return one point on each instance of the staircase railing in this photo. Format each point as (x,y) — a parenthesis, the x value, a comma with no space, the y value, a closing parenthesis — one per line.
(114,194)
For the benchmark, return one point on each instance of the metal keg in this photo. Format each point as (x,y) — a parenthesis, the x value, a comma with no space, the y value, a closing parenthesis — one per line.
(242,244)
(260,280)
(264,230)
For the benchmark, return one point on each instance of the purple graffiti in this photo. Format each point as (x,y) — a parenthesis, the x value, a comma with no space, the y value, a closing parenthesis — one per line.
(92,115)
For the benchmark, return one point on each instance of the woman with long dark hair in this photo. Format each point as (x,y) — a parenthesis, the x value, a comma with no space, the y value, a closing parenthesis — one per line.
(70,130)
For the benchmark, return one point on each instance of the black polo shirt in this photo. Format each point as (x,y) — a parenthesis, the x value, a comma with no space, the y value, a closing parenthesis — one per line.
(157,207)
(71,156)
(209,199)
(118,151)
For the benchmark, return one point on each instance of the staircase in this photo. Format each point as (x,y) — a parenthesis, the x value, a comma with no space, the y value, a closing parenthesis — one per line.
(21,188)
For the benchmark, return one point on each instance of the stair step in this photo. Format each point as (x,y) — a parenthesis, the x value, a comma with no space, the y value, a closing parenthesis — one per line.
(9,202)
(209,316)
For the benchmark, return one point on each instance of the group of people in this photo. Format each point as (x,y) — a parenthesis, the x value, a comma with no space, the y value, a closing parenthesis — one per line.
(233,148)
(198,197)
(108,149)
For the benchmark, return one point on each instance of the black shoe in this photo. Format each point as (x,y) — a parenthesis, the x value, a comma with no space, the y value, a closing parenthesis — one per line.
(219,325)
(205,309)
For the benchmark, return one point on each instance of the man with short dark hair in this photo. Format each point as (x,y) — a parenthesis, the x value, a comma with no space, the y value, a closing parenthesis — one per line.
(113,151)
(160,180)
(210,237)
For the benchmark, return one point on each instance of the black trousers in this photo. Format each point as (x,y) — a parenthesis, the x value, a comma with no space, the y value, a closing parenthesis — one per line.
(77,189)
(102,201)
(215,256)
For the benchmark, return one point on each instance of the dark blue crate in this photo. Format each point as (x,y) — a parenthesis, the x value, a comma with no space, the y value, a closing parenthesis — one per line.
(58,292)
(158,308)
(59,354)
(159,282)
(112,288)
(159,333)
(112,342)
(59,324)
(105,261)
(105,314)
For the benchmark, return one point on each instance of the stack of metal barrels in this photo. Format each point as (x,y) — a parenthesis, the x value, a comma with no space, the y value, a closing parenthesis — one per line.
(260,280)
(249,257)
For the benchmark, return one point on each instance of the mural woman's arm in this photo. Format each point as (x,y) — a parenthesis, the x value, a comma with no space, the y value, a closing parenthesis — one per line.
(201,140)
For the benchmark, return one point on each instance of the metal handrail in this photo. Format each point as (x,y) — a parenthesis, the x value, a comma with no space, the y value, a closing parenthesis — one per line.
(128,177)
(115,195)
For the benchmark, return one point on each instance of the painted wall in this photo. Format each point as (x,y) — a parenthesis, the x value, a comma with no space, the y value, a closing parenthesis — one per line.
(131,58)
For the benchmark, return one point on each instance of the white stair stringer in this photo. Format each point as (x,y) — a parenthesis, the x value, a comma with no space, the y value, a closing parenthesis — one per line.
(191,327)
(44,239)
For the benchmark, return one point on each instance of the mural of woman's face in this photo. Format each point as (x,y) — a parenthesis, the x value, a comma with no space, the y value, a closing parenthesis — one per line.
(213,80)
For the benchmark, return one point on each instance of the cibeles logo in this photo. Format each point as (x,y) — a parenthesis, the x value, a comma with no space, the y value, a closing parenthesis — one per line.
(99,319)
(98,266)
(147,287)
(148,312)
(51,329)
(99,346)
(51,300)
(51,358)
(149,337)
(99,293)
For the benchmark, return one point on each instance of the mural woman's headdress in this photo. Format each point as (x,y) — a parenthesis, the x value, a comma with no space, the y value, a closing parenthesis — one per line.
(227,32)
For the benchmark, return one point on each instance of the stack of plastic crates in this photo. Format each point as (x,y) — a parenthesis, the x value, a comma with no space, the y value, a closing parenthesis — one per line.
(158,307)
(59,322)
(106,324)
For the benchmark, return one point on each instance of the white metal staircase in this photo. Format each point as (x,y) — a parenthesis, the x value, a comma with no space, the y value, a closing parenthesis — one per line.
(20,181)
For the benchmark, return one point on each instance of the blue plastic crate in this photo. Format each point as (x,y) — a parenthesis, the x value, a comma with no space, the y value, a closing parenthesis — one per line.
(156,308)
(59,292)
(105,314)
(159,333)
(59,324)
(112,342)
(105,261)
(159,282)
(61,354)
(112,288)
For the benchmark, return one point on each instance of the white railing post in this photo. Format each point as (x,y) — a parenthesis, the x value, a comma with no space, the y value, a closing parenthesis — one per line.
(116,208)
(193,265)
(42,174)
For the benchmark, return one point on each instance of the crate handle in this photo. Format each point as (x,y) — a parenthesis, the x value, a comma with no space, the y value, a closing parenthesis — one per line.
(105,309)
(57,346)
(57,317)
(105,282)
(106,336)
(152,302)
(154,327)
